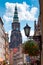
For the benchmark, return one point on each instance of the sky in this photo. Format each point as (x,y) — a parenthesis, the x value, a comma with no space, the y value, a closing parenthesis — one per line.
(28,12)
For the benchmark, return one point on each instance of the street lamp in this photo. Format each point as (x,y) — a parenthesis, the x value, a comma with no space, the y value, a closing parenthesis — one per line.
(27,30)
(36,38)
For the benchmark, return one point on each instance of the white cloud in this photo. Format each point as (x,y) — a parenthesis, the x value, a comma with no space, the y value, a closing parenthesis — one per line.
(23,34)
(24,11)
(31,33)
(9,33)
(24,38)
(7,19)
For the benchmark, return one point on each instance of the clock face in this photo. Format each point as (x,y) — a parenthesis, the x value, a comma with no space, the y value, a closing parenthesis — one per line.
(16,28)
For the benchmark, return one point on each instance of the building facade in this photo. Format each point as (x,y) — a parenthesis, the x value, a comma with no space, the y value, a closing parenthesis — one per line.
(2,40)
(18,57)
(37,27)
(11,57)
(16,37)
(7,48)
(38,31)
(4,44)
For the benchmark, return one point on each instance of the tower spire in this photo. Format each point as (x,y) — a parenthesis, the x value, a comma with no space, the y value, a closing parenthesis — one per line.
(35,27)
(15,18)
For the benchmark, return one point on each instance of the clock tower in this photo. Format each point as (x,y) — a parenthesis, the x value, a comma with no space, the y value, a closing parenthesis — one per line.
(16,37)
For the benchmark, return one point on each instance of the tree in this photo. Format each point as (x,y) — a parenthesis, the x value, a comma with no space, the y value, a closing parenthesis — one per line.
(31,47)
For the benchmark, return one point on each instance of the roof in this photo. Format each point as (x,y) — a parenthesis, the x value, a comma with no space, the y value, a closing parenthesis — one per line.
(15,18)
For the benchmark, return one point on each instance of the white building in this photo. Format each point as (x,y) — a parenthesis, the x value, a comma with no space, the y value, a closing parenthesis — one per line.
(2,41)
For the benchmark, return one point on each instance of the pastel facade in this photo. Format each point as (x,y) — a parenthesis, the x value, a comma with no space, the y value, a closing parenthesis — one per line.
(2,40)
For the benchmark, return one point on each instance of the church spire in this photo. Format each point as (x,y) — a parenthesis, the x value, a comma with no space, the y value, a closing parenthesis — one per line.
(15,18)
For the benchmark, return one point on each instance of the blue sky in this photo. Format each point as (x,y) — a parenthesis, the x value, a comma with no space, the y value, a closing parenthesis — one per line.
(28,8)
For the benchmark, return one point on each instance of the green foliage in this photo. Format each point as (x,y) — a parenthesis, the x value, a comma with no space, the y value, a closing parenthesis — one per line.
(31,47)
